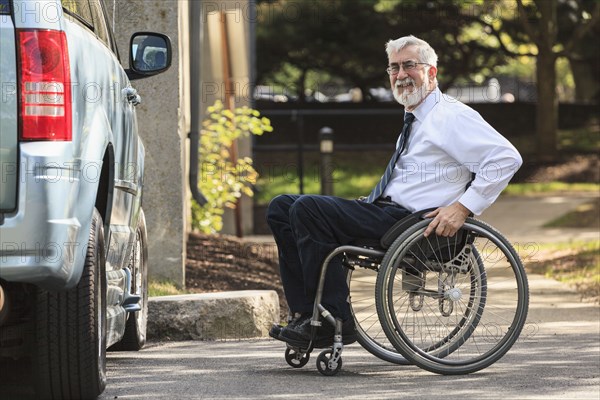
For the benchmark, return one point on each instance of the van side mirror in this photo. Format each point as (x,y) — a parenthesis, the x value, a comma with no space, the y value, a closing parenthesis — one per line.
(149,54)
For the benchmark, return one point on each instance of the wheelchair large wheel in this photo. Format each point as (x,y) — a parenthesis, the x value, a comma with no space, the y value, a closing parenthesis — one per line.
(370,335)
(452,305)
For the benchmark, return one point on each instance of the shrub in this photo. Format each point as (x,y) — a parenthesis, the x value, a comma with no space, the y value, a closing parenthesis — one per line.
(223,180)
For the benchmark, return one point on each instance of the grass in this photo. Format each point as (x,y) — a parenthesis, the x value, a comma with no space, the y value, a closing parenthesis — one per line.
(351,181)
(574,263)
(537,188)
(163,288)
(587,215)
(347,184)
(354,175)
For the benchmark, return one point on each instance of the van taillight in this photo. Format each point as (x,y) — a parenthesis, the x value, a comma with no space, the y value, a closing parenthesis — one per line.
(44,81)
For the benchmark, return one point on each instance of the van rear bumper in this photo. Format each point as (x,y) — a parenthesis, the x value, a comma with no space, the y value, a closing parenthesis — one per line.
(45,241)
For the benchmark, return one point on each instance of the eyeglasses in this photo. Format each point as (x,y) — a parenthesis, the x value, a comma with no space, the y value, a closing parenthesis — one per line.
(394,69)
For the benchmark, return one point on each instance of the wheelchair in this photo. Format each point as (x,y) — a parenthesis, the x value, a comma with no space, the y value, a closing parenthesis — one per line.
(450,305)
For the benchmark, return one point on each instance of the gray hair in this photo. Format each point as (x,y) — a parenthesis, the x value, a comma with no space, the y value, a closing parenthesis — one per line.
(426,52)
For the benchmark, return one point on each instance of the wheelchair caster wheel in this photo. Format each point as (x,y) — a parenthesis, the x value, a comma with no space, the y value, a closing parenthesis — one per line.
(295,358)
(325,366)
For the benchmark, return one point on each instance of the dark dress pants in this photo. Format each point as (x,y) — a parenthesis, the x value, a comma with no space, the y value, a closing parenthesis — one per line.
(307,228)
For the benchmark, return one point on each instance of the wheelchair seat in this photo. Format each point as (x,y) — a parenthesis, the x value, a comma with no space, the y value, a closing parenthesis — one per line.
(351,259)
(388,238)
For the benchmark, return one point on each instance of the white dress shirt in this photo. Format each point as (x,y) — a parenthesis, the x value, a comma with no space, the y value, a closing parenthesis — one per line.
(449,141)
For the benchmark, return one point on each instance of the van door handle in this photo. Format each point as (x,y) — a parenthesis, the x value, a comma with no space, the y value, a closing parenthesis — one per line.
(132,96)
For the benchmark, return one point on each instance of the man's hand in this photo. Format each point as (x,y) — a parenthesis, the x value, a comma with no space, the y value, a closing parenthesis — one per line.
(448,220)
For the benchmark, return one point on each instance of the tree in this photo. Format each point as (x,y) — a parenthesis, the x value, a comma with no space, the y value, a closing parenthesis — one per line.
(584,59)
(345,39)
(536,22)
(337,37)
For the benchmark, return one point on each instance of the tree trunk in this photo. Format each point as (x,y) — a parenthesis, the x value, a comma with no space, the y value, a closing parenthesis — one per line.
(302,86)
(547,106)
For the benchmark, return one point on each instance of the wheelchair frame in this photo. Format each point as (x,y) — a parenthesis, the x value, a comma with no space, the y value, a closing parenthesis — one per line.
(443,356)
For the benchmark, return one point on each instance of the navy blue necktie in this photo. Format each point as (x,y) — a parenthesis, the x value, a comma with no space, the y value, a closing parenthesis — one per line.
(378,190)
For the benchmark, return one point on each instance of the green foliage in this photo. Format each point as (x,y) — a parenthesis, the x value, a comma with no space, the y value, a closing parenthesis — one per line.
(335,40)
(585,140)
(223,180)
(342,41)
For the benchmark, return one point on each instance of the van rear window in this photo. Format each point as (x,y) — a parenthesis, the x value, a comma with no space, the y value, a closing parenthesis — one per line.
(80,9)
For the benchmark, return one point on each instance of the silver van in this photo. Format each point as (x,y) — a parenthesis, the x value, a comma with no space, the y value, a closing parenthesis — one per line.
(73,247)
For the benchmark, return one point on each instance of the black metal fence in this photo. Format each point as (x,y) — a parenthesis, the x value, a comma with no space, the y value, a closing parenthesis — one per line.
(370,127)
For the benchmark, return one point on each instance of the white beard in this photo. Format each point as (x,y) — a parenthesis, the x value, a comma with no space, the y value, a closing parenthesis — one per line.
(412,99)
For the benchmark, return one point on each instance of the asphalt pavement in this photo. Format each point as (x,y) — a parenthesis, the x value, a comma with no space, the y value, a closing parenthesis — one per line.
(556,357)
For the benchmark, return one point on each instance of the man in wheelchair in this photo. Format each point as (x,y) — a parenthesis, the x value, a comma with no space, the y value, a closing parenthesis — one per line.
(444,147)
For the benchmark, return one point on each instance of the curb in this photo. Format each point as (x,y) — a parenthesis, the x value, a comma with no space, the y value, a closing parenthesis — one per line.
(236,315)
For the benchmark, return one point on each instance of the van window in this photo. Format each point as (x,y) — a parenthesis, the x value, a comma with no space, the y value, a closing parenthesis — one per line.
(109,15)
(100,22)
(81,10)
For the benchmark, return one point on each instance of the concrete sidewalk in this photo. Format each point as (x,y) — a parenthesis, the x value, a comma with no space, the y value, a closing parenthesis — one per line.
(521,218)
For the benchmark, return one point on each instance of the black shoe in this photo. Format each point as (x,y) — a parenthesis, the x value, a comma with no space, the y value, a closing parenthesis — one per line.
(298,318)
(299,335)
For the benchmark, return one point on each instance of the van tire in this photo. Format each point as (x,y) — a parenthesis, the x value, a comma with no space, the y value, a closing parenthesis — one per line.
(70,356)
(134,337)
